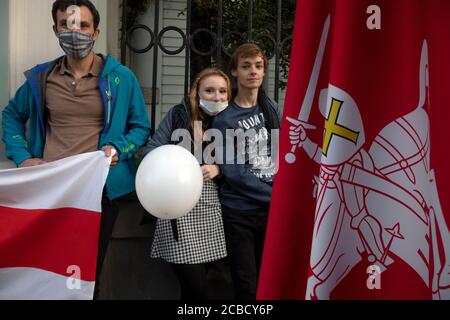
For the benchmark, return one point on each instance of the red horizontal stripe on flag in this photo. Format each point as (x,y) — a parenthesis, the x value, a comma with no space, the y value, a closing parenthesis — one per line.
(51,240)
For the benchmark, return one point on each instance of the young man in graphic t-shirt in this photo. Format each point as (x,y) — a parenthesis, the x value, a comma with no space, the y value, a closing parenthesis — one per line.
(248,168)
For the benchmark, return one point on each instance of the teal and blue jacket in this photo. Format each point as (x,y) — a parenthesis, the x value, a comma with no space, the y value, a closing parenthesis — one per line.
(126,122)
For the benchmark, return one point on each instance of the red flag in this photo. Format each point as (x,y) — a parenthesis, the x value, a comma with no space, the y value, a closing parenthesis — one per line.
(360,207)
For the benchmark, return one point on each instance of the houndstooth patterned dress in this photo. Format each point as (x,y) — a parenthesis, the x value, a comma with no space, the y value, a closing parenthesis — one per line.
(201,236)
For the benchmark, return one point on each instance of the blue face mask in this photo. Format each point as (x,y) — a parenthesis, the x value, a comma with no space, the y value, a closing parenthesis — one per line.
(76,45)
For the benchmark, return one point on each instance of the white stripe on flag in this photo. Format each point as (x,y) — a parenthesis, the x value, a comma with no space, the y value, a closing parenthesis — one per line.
(21,284)
(69,183)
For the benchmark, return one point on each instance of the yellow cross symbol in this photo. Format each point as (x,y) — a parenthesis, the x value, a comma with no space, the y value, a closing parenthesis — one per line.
(332,128)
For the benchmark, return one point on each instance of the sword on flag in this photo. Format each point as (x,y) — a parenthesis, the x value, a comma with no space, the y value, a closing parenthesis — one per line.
(305,110)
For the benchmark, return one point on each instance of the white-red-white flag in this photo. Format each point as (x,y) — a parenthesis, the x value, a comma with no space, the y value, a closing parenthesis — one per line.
(49,228)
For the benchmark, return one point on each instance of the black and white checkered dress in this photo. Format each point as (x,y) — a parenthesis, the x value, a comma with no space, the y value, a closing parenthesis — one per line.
(201,236)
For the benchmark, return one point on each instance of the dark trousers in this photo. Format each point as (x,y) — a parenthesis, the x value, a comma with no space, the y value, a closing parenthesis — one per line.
(245,231)
(110,210)
(193,282)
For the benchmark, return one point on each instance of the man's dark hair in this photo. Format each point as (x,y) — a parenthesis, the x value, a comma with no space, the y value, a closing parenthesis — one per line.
(62,5)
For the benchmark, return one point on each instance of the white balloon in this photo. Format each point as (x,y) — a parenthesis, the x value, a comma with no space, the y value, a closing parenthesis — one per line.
(169,182)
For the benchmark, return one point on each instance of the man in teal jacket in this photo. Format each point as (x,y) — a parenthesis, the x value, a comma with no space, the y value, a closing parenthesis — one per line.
(81,102)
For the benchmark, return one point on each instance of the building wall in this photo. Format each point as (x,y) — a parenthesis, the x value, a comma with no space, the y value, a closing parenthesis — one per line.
(4,69)
(113,25)
(102,43)
(173,67)
(4,52)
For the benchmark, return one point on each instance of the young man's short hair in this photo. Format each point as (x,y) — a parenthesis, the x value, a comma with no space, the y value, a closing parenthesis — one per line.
(247,50)
(62,5)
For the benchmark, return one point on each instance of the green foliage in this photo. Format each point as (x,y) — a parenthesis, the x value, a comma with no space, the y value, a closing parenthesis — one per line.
(136,8)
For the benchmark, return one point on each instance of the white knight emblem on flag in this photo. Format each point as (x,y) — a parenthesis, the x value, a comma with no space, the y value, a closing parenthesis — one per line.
(381,204)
